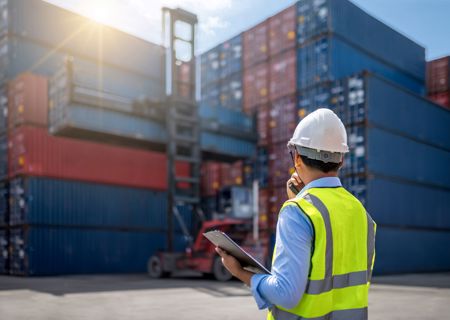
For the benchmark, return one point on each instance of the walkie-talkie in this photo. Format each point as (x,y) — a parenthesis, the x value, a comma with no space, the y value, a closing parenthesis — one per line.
(293,188)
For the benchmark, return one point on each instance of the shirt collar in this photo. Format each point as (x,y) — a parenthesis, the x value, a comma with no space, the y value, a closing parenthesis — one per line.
(326,182)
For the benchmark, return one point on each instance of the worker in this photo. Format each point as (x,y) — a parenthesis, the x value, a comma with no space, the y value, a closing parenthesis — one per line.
(325,240)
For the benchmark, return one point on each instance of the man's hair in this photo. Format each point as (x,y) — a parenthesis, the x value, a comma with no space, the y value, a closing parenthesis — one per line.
(320,165)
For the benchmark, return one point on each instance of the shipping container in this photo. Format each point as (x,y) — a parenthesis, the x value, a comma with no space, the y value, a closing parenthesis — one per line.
(262,167)
(282,28)
(45,250)
(282,74)
(255,44)
(380,152)
(230,57)
(263,119)
(211,95)
(226,145)
(256,86)
(438,75)
(350,23)
(401,204)
(4,251)
(46,201)
(74,34)
(280,165)
(220,117)
(210,178)
(34,152)
(283,119)
(3,108)
(369,98)
(263,208)
(402,250)
(329,58)
(28,100)
(3,156)
(231,92)
(231,174)
(210,66)
(4,203)
(441,98)
(278,196)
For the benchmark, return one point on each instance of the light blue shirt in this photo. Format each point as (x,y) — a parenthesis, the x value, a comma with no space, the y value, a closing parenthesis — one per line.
(287,283)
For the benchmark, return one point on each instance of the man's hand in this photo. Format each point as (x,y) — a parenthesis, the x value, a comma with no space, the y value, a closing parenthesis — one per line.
(297,182)
(235,268)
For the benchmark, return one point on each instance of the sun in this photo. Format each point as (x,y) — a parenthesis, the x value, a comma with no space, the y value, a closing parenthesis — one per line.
(100,11)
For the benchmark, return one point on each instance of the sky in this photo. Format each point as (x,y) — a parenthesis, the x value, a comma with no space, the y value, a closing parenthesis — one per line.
(425,21)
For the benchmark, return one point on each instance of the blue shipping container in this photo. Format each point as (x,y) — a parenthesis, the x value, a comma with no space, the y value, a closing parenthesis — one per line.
(36,200)
(233,119)
(80,36)
(349,22)
(230,57)
(379,152)
(329,58)
(4,203)
(370,98)
(411,250)
(231,93)
(4,251)
(226,145)
(395,203)
(210,66)
(210,95)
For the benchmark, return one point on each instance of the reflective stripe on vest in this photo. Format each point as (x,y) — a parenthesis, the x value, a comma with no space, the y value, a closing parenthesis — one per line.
(357,282)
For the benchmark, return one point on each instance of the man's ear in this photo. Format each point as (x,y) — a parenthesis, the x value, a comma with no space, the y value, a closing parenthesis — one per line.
(298,160)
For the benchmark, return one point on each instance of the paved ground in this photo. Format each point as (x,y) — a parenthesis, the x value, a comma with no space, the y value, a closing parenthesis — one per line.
(137,297)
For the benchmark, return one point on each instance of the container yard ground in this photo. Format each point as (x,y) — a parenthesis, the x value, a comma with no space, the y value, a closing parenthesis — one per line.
(417,296)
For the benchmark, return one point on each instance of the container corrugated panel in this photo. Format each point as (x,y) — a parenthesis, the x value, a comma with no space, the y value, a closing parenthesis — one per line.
(255,44)
(283,74)
(4,251)
(39,250)
(210,178)
(383,153)
(210,66)
(411,250)
(226,117)
(231,56)
(353,24)
(329,58)
(370,98)
(39,200)
(34,152)
(396,203)
(231,173)
(438,75)
(211,94)
(263,118)
(78,35)
(28,100)
(280,165)
(226,145)
(4,203)
(282,28)
(231,91)
(256,86)
(283,120)
(441,98)
(105,124)
(3,156)
(3,109)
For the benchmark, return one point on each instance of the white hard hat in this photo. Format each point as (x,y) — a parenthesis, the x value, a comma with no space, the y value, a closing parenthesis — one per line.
(320,135)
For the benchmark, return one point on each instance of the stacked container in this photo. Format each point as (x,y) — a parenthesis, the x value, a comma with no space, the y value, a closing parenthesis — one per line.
(438,81)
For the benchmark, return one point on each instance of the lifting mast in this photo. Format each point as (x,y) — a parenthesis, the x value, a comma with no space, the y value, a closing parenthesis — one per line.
(182,119)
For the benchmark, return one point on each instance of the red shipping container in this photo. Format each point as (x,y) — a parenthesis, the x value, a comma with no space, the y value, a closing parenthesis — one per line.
(32,151)
(255,46)
(438,75)
(282,33)
(283,74)
(28,100)
(210,178)
(280,165)
(231,173)
(442,98)
(283,118)
(263,203)
(256,86)
(263,125)
(277,198)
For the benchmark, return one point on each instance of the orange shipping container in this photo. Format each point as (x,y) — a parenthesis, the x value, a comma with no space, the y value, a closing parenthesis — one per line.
(255,47)
(282,75)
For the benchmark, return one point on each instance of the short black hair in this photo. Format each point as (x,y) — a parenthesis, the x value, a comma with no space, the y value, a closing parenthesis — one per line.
(320,165)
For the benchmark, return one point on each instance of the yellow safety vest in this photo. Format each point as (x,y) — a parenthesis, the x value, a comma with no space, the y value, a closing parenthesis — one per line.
(342,259)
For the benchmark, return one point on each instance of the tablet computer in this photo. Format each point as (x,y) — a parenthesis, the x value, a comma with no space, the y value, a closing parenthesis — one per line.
(223,241)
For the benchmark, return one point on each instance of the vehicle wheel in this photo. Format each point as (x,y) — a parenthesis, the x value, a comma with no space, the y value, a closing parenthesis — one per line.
(155,269)
(220,273)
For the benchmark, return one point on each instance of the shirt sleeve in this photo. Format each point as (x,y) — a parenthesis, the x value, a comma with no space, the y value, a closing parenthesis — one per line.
(290,268)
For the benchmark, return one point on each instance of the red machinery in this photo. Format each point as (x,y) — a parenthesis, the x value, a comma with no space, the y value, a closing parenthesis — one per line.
(201,256)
